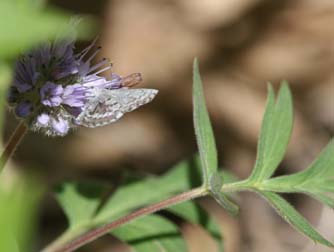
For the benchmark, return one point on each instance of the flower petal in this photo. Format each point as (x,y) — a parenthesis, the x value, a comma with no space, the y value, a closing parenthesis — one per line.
(51,94)
(23,109)
(60,126)
(43,119)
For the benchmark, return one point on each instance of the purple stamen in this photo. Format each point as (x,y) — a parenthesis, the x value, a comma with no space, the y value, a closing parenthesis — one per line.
(103,69)
(86,50)
(99,64)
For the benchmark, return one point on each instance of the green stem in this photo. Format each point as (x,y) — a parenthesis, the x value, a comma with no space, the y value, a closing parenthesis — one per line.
(238,186)
(64,238)
(61,245)
(12,144)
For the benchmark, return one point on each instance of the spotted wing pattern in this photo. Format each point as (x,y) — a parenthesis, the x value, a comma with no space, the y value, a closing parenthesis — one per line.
(108,106)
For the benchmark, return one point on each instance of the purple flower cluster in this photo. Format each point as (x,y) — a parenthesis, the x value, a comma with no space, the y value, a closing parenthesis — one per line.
(52,85)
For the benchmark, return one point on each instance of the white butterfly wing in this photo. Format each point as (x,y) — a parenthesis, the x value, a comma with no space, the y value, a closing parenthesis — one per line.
(109,106)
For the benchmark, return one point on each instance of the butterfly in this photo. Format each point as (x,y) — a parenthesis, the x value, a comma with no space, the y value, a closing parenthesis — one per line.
(109,105)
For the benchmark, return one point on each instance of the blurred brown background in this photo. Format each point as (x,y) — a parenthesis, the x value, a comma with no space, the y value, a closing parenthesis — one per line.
(241,44)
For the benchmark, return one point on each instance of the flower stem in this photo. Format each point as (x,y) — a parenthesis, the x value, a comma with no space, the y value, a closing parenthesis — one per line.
(102,230)
(12,144)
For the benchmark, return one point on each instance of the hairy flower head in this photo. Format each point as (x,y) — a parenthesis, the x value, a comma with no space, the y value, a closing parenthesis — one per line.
(52,85)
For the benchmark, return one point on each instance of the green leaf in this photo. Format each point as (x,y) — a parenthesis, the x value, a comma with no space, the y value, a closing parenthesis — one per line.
(31,3)
(79,200)
(193,213)
(18,210)
(151,234)
(182,177)
(216,183)
(126,198)
(203,129)
(5,78)
(321,169)
(179,178)
(24,25)
(275,133)
(295,219)
(316,181)
(81,208)
(7,240)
